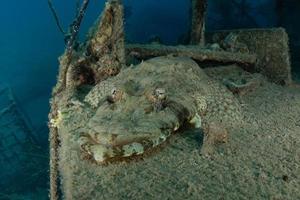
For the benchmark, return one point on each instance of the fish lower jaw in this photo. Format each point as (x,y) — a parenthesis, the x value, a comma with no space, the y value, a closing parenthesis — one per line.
(102,153)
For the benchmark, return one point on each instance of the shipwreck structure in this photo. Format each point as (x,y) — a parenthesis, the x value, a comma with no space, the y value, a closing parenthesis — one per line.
(95,117)
(22,159)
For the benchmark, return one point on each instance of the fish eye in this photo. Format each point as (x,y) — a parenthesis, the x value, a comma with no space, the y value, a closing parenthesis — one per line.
(114,91)
(115,95)
(160,93)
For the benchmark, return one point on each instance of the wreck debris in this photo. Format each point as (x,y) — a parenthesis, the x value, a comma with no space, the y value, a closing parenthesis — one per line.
(237,80)
(198,22)
(265,51)
(214,47)
(70,36)
(241,89)
(214,134)
(143,52)
(56,18)
(14,134)
(54,158)
(101,57)
(107,43)
(230,43)
(75,26)
(20,154)
(271,47)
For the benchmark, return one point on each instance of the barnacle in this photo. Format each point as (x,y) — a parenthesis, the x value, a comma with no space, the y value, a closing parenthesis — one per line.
(55,122)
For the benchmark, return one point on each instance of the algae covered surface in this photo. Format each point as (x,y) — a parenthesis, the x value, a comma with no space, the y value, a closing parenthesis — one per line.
(124,132)
(260,160)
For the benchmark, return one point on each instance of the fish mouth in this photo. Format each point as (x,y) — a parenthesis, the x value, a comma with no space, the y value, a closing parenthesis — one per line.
(120,140)
(103,147)
(124,129)
(106,146)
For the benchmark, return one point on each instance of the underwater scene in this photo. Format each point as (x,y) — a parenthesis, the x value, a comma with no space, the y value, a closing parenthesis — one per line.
(150,99)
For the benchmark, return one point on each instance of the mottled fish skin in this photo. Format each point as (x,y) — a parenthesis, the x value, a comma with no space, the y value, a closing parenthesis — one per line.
(101,91)
(128,120)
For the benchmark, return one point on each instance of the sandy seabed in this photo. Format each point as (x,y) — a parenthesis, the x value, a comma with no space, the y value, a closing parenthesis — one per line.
(260,161)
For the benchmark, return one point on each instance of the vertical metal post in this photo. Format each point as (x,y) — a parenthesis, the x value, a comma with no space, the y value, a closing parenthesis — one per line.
(198,22)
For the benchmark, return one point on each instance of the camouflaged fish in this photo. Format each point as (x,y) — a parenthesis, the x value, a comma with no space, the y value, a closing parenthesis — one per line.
(143,105)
